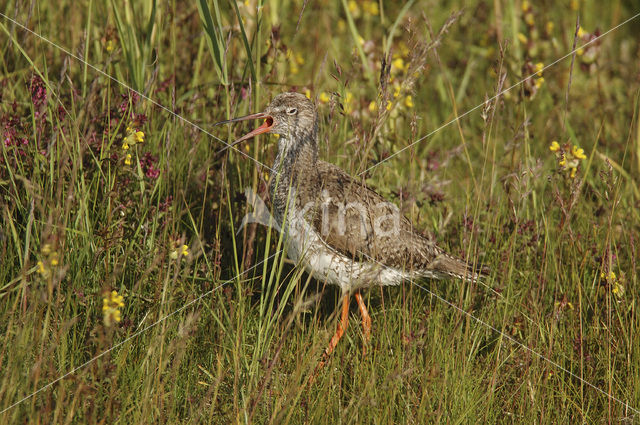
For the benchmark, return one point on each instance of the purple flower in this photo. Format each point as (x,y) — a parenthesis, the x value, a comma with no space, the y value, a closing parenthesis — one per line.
(10,128)
(38,91)
(62,113)
(130,97)
(148,166)
(152,172)
(167,203)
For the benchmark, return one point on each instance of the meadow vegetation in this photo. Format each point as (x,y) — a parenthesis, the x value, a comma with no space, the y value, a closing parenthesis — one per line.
(129,285)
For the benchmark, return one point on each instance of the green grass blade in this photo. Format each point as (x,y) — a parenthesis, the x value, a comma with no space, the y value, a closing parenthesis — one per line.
(405,9)
(356,40)
(245,41)
(214,40)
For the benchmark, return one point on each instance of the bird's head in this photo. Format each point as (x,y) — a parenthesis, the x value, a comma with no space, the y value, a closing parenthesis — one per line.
(290,115)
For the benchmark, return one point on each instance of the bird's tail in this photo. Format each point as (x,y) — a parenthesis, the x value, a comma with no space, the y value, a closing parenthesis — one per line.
(448,265)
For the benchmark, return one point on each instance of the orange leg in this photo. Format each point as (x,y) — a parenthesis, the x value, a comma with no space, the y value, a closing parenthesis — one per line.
(366,319)
(342,326)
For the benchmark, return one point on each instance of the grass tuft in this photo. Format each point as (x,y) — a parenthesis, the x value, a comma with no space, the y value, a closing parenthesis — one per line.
(102,190)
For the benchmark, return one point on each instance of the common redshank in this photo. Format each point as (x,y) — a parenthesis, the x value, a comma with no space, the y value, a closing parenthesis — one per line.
(340,230)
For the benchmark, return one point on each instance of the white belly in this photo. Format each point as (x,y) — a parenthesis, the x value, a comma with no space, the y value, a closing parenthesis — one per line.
(306,247)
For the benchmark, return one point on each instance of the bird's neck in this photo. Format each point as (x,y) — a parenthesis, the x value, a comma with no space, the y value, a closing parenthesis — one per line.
(295,170)
(296,155)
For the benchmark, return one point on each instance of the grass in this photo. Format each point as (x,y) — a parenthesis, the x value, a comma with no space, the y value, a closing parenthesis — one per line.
(226,329)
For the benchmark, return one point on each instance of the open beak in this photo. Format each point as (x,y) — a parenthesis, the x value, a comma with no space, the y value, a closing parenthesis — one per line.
(264,128)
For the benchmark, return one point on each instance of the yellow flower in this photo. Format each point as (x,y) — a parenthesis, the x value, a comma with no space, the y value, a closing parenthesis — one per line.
(574,5)
(578,152)
(299,59)
(539,81)
(555,146)
(408,101)
(396,92)
(119,299)
(574,171)
(353,8)
(53,259)
(618,289)
(549,27)
(182,251)
(348,97)
(109,45)
(528,18)
(580,51)
(347,104)
(581,32)
(568,304)
(324,97)
(563,161)
(398,64)
(371,7)
(609,277)
(133,137)
(522,38)
(373,106)
(307,93)
(127,160)
(111,305)
(525,6)
(389,105)
(539,67)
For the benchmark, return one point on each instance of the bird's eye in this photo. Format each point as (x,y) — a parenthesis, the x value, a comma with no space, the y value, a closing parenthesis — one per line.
(292,111)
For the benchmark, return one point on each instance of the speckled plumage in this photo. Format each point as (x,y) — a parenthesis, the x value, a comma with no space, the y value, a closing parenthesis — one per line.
(318,192)
(342,232)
